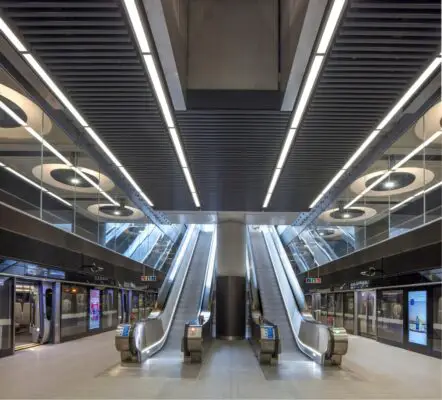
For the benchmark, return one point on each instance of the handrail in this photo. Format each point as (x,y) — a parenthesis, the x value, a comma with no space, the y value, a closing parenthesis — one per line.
(115,231)
(325,247)
(315,340)
(139,240)
(208,280)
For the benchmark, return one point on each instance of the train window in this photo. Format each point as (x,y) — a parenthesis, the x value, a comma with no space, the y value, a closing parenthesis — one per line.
(48,299)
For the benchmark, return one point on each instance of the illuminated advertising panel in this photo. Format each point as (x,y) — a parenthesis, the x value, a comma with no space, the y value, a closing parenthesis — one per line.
(94,309)
(417,317)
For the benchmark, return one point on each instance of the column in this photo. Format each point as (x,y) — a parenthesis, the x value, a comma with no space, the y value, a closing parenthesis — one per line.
(231,280)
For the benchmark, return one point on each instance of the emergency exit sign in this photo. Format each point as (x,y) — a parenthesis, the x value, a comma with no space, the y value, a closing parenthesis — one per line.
(313,280)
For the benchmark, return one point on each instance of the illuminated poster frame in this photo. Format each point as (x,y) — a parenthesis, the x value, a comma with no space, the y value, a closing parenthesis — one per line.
(94,309)
(418,317)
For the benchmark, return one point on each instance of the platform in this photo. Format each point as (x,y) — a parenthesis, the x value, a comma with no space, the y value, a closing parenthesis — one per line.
(89,368)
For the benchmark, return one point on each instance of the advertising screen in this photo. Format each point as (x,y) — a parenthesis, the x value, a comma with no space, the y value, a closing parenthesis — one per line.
(417,317)
(94,309)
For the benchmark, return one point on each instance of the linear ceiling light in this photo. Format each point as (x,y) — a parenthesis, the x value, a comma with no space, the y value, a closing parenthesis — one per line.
(36,185)
(11,36)
(160,92)
(75,113)
(399,105)
(414,196)
(307,89)
(417,150)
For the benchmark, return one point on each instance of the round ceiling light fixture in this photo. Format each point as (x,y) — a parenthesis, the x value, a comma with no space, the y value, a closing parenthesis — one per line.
(349,215)
(403,180)
(63,177)
(110,211)
(27,110)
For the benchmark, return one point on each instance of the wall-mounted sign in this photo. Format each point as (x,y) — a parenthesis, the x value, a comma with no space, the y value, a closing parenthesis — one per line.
(148,278)
(313,280)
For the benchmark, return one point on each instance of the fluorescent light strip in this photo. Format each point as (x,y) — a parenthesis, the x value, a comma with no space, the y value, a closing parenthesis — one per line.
(189,180)
(407,200)
(417,150)
(286,148)
(267,200)
(11,36)
(12,114)
(135,185)
(137,25)
(196,200)
(330,26)
(410,92)
(48,81)
(58,198)
(36,185)
(102,146)
(398,165)
(159,90)
(178,148)
(274,180)
(330,184)
(307,90)
(363,146)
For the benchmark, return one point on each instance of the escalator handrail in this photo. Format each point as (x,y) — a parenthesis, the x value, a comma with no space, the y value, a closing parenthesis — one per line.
(208,282)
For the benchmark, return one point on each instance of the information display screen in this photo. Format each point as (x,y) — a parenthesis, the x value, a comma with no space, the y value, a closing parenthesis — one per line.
(94,309)
(417,317)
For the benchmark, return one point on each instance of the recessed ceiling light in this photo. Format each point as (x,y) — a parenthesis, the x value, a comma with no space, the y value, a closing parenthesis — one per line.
(321,233)
(389,184)
(117,212)
(75,181)
(346,215)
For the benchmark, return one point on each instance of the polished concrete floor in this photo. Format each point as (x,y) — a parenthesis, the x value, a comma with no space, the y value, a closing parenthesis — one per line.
(89,368)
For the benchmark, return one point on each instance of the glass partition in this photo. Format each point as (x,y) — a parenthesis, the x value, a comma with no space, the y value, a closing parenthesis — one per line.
(46,175)
(400,191)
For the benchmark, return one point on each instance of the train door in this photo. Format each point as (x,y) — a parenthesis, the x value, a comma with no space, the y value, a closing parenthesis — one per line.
(367,313)
(26,314)
(46,313)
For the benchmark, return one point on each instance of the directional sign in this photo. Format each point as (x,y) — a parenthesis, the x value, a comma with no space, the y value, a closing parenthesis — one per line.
(313,280)
(148,278)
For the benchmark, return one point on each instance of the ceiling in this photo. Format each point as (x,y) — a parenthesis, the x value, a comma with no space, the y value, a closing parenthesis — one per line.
(88,47)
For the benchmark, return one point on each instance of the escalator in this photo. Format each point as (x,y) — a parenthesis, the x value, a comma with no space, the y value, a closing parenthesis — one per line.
(190,297)
(283,304)
(180,300)
(272,302)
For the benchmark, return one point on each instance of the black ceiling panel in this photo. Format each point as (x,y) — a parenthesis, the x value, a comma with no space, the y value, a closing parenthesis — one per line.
(232,155)
(380,48)
(88,47)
